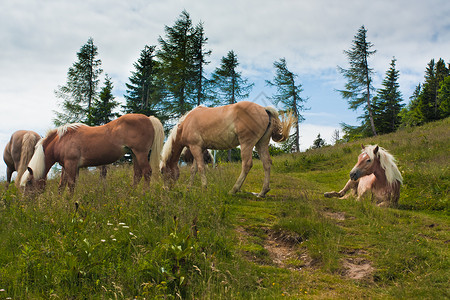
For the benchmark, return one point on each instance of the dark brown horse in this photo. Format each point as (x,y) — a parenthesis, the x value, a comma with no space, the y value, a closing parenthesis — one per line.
(245,123)
(375,173)
(18,152)
(78,145)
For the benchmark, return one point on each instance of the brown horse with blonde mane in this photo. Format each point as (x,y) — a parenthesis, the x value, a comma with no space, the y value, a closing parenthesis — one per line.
(77,145)
(245,123)
(375,173)
(18,153)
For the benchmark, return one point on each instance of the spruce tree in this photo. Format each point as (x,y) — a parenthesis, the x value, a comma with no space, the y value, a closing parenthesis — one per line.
(359,76)
(176,55)
(144,91)
(80,91)
(387,104)
(228,82)
(102,111)
(318,142)
(411,115)
(288,94)
(428,99)
(201,84)
(444,98)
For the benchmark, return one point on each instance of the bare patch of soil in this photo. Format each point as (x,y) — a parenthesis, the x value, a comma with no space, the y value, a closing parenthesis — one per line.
(339,216)
(282,248)
(357,267)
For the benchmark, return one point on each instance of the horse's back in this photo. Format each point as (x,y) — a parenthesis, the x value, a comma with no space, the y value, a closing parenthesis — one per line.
(224,127)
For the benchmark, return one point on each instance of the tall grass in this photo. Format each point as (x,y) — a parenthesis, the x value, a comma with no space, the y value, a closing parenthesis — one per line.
(114,240)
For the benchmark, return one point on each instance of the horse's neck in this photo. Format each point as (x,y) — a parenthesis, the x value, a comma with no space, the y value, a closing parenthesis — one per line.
(380,177)
(175,154)
(50,157)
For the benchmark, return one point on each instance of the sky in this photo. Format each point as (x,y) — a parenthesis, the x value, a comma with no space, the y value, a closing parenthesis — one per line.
(39,40)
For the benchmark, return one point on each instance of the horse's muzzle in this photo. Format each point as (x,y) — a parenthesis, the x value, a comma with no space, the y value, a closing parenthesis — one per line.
(355,174)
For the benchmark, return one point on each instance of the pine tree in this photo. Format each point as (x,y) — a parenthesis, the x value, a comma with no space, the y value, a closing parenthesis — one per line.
(359,76)
(80,90)
(201,84)
(318,142)
(411,115)
(444,98)
(428,99)
(177,66)
(387,104)
(228,82)
(144,92)
(288,94)
(102,111)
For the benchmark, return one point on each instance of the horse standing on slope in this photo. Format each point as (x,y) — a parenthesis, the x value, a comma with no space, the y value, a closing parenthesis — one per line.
(18,152)
(375,173)
(78,145)
(245,123)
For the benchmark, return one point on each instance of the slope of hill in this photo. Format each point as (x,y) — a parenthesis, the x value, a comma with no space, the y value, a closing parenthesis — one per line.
(113,240)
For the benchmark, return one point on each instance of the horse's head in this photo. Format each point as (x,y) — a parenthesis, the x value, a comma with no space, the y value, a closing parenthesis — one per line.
(34,177)
(29,183)
(170,173)
(368,160)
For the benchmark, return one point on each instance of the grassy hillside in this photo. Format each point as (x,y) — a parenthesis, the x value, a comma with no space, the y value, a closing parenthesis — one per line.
(112,240)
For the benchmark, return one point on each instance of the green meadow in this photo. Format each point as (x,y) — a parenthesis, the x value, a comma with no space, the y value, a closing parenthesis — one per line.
(112,240)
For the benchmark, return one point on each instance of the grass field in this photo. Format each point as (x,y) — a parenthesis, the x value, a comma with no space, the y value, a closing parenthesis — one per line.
(113,240)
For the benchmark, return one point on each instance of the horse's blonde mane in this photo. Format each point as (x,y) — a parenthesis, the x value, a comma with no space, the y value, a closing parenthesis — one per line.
(167,148)
(37,164)
(62,130)
(388,163)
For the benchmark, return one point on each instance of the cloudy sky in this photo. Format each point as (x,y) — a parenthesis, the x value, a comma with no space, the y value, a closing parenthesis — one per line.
(39,40)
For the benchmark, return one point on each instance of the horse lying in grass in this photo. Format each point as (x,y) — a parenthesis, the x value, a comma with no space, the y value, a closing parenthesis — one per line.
(18,153)
(245,123)
(77,145)
(375,173)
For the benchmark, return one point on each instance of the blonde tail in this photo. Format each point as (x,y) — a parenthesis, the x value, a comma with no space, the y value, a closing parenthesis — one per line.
(158,142)
(28,143)
(281,129)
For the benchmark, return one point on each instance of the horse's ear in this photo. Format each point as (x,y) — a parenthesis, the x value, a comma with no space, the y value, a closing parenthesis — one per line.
(362,146)
(30,170)
(375,151)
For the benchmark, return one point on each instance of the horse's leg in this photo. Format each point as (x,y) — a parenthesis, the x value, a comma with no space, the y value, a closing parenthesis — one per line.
(141,168)
(198,157)
(247,163)
(69,175)
(103,171)
(137,169)
(62,181)
(350,185)
(194,169)
(9,172)
(263,151)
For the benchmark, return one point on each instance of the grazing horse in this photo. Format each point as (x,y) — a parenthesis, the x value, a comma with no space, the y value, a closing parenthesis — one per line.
(18,152)
(375,173)
(245,123)
(78,145)
(187,157)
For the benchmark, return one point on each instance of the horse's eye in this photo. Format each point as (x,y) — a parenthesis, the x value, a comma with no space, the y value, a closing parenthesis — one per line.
(369,160)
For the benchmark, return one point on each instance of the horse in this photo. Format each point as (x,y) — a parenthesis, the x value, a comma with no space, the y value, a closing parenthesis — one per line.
(18,153)
(77,145)
(188,158)
(225,127)
(376,173)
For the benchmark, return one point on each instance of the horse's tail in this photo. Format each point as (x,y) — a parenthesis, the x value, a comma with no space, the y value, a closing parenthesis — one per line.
(29,141)
(158,141)
(280,129)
